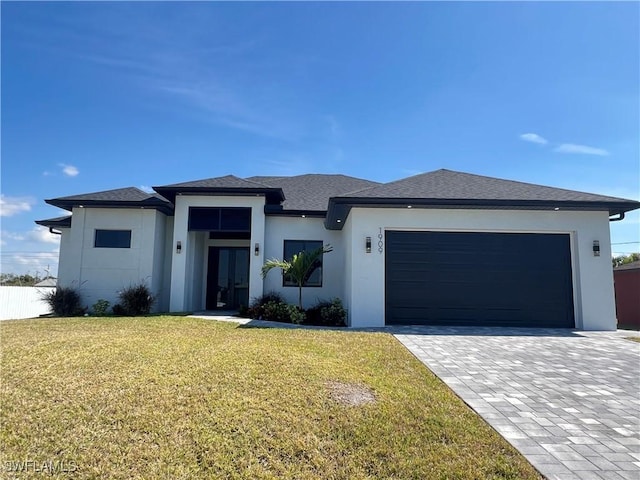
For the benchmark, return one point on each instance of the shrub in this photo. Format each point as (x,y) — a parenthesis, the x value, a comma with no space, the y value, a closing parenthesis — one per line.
(277,311)
(267,298)
(64,302)
(296,315)
(329,313)
(100,308)
(134,300)
(256,310)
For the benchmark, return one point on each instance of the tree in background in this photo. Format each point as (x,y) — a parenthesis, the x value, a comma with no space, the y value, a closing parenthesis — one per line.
(13,280)
(624,259)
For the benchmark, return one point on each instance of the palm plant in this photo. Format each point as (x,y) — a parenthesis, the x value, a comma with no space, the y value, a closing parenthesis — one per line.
(300,268)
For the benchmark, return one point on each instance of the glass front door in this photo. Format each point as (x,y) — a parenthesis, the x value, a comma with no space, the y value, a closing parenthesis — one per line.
(227,278)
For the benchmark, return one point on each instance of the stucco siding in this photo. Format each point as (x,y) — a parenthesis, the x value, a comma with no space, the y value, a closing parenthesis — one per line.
(279,229)
(593,279)
(100,273)
(65,259)
(189,266)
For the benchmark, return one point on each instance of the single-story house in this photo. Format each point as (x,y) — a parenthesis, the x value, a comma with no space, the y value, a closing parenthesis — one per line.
(440,248)
(626,279)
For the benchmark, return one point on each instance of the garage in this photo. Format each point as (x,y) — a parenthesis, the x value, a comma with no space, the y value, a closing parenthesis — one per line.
(478,279)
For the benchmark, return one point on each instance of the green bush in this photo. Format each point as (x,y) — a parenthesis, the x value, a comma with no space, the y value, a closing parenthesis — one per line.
(100,308)
(282,312)
(277,311)
(134,300)
(64,302)
(327,313)
(296,315)
(256,309)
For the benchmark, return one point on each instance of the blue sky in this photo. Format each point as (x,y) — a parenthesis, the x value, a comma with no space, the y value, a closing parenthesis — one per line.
(98,96)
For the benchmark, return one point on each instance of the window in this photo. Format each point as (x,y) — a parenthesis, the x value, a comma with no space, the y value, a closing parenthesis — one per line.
(113,239)
(293,247)
(224,219)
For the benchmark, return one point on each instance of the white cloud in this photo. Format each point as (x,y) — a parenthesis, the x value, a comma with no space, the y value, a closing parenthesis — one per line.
(580,149)
(69,170)
(31,262)
(533,138)
(5,235)
(10,206)
(146,188)
(43,235)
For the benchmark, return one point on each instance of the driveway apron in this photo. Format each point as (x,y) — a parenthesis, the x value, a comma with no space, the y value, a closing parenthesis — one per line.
(569,401)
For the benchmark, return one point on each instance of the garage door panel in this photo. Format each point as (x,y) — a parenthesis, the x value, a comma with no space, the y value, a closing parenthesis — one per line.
(461,278)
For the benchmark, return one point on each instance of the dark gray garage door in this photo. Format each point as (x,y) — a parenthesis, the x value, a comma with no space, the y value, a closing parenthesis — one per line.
(503,279)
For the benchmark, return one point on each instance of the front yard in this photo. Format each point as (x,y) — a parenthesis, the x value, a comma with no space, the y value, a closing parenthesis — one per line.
(176,397)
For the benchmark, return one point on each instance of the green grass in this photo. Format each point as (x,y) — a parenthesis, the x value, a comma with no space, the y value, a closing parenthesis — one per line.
(176,397)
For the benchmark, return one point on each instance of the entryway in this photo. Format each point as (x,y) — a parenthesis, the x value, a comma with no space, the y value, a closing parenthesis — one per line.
(227,278)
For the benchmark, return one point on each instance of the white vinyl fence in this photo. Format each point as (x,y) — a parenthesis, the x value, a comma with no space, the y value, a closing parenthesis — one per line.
(22,302)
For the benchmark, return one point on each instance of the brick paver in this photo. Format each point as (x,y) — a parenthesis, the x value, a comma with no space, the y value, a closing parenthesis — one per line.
(568,400)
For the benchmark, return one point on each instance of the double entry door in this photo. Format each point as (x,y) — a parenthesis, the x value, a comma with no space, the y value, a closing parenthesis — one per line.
(227,278)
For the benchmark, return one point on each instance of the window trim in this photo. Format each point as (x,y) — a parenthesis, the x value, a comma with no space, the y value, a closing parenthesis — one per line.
(95,237)
(284,252)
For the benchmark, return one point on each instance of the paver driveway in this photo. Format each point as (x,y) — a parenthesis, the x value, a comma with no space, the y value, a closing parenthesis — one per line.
(569,401)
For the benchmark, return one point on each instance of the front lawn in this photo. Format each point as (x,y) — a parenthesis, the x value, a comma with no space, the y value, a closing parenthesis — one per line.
(176,397)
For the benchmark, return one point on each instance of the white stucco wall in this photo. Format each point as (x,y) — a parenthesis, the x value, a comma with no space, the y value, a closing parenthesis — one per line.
(593,277)
(66,267)
(279,229)
(99,273)
(189,266)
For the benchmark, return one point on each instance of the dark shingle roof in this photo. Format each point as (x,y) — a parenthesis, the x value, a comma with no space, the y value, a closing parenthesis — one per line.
(312,192)
(57,222)
(451,185)
(628,266)
(309,193)
(227,185)
(318,193)
(449,189)
(119,197)
(228,181)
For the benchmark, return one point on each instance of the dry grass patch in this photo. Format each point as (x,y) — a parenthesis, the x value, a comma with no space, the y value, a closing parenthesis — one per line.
(175,397)
(351,393)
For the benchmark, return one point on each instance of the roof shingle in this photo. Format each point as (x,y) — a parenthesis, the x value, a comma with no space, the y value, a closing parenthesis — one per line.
(451,185)
(228,181)
(311,192)
(129,196)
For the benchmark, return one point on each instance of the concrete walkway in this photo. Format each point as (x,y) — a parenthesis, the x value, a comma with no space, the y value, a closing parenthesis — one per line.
(569,401)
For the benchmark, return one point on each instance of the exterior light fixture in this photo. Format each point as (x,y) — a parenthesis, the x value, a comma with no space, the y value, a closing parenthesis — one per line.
(256,249)
(596,248)
(409,206)
(339,221)
(557,208)
(178,246)
(367,245)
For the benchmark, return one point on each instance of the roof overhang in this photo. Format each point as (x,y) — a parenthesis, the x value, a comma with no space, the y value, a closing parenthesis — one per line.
(339,207)
(278,211)
(272,195)
(152,203)
(58,222)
